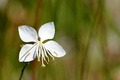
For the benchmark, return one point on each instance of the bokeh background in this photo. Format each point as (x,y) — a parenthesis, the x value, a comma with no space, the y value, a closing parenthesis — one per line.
(89,31)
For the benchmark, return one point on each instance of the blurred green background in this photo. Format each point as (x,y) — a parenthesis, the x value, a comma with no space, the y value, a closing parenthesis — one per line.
(89,31)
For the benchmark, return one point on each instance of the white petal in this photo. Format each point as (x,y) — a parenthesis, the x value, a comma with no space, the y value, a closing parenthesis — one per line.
(28,53)
(27,34)
(47,31)
(55,49)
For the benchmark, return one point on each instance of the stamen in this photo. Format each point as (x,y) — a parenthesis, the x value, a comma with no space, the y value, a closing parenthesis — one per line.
(39,53)
(27,52)
(46,54)
(27,55)
(21,45)
(39,59)
(42,58)
(50,54)
(56,53)
(43,65)
(43,55)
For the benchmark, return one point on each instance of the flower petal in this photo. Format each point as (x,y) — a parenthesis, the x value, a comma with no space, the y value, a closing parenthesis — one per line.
(28,53)
(27,34)
(55,49)
(47,31)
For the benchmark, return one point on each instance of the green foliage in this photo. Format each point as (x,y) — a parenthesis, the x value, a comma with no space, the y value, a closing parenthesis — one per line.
(85,28)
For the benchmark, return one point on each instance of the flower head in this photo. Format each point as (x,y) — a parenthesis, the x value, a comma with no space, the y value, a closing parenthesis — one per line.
(39,49)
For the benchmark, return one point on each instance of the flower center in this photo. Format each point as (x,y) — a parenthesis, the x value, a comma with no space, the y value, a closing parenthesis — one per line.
(40,43)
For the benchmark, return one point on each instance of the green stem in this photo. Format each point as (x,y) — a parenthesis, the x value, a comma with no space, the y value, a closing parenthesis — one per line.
(38,13)
(23,71)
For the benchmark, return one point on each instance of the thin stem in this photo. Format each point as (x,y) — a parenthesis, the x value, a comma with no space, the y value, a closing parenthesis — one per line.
(23,71)
(38,13)
(85,52)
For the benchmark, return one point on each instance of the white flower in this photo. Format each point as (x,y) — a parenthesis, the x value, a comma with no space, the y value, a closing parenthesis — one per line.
(40,49)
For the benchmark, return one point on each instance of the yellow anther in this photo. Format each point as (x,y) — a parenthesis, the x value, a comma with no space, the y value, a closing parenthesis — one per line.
(43,65)
(21,45)
(46,61)
(56,53)
(28,54)
(27,51)
(39,59)
(53,58)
